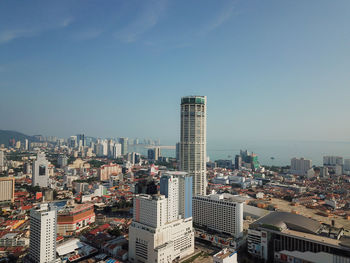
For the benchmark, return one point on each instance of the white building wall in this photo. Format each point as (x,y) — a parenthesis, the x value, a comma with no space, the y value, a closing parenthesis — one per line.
(43,229)
(300,166)
(40,171)
(219,214)
(152,237)
(162,244)
(193,141)
(150,210)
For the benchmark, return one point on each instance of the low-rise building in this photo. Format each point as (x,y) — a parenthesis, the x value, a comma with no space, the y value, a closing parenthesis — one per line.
(272,235)
(13,239)
(225,256)
(107,170)
(74,218)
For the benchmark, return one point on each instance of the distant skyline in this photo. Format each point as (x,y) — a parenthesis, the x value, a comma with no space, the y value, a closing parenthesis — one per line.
(271,70)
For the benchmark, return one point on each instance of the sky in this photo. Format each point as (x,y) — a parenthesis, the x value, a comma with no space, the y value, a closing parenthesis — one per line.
(271,69)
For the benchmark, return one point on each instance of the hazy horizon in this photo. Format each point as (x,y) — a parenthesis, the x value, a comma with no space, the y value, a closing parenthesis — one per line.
(271,70)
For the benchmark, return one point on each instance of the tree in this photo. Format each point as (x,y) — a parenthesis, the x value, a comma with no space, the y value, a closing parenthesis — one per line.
(115,232)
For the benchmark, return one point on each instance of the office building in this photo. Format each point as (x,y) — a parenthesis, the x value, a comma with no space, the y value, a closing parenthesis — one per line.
(107,170)
(7,189)
(124,143)
(288,237)
(2,160)
(332,160)
(222,213)
(134,158)
(346,167)
(72,142)
(178,151)
(152,238)
(238,162)
(324,172)
(43,229)
(99,149)
(193,141)
(62,161)
(300,166)
(40,171)
(26,145)
(153,154)
(185,194)
(115,150)
(177,188)
(18,145)
(81,140)
(227,164)
(169,186)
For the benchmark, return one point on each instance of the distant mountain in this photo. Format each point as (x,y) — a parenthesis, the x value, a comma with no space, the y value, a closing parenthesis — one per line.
(6,135)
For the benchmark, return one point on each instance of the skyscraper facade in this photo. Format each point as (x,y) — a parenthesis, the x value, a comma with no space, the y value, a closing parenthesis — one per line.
(300,166)
(7,189)
(2,159)
(81,140)
(152,237)
(177,188)
(193,141)
(43,229)
(124,143)
(40,172)
(153,154)
(220,212)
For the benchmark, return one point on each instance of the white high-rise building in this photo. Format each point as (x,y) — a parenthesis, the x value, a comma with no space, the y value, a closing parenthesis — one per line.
(170,188)
(73,141)
(116,150)
(43,229)
(40,171)
(2,159)
(99,149)
(332,160)
(26,145)
(124,143)
(105,147)
(7,189)
(220,212)
(133,158)
(193,141)
(300,166)
(177,187)
(152,238)
(346,166)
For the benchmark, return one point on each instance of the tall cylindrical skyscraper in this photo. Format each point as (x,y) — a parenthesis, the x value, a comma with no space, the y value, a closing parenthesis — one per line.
(193,141)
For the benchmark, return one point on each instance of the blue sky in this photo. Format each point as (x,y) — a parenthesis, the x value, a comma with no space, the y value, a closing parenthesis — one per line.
(271,69)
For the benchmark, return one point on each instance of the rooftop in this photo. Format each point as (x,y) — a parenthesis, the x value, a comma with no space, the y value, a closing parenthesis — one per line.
(286,220)
(224,253)
(175,173)
(193,100)
(223,197)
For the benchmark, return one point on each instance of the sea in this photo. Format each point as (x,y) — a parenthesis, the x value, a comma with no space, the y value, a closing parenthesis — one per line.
(269,153)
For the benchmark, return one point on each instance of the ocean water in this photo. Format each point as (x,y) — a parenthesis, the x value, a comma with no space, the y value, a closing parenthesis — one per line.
(281,151)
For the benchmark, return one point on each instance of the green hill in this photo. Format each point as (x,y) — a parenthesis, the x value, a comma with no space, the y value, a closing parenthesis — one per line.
(6,135)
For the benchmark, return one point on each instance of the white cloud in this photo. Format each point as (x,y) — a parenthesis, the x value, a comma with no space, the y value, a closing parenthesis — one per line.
(66,22)
(9,35)
(31,31)
(221,18)
(149,18)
